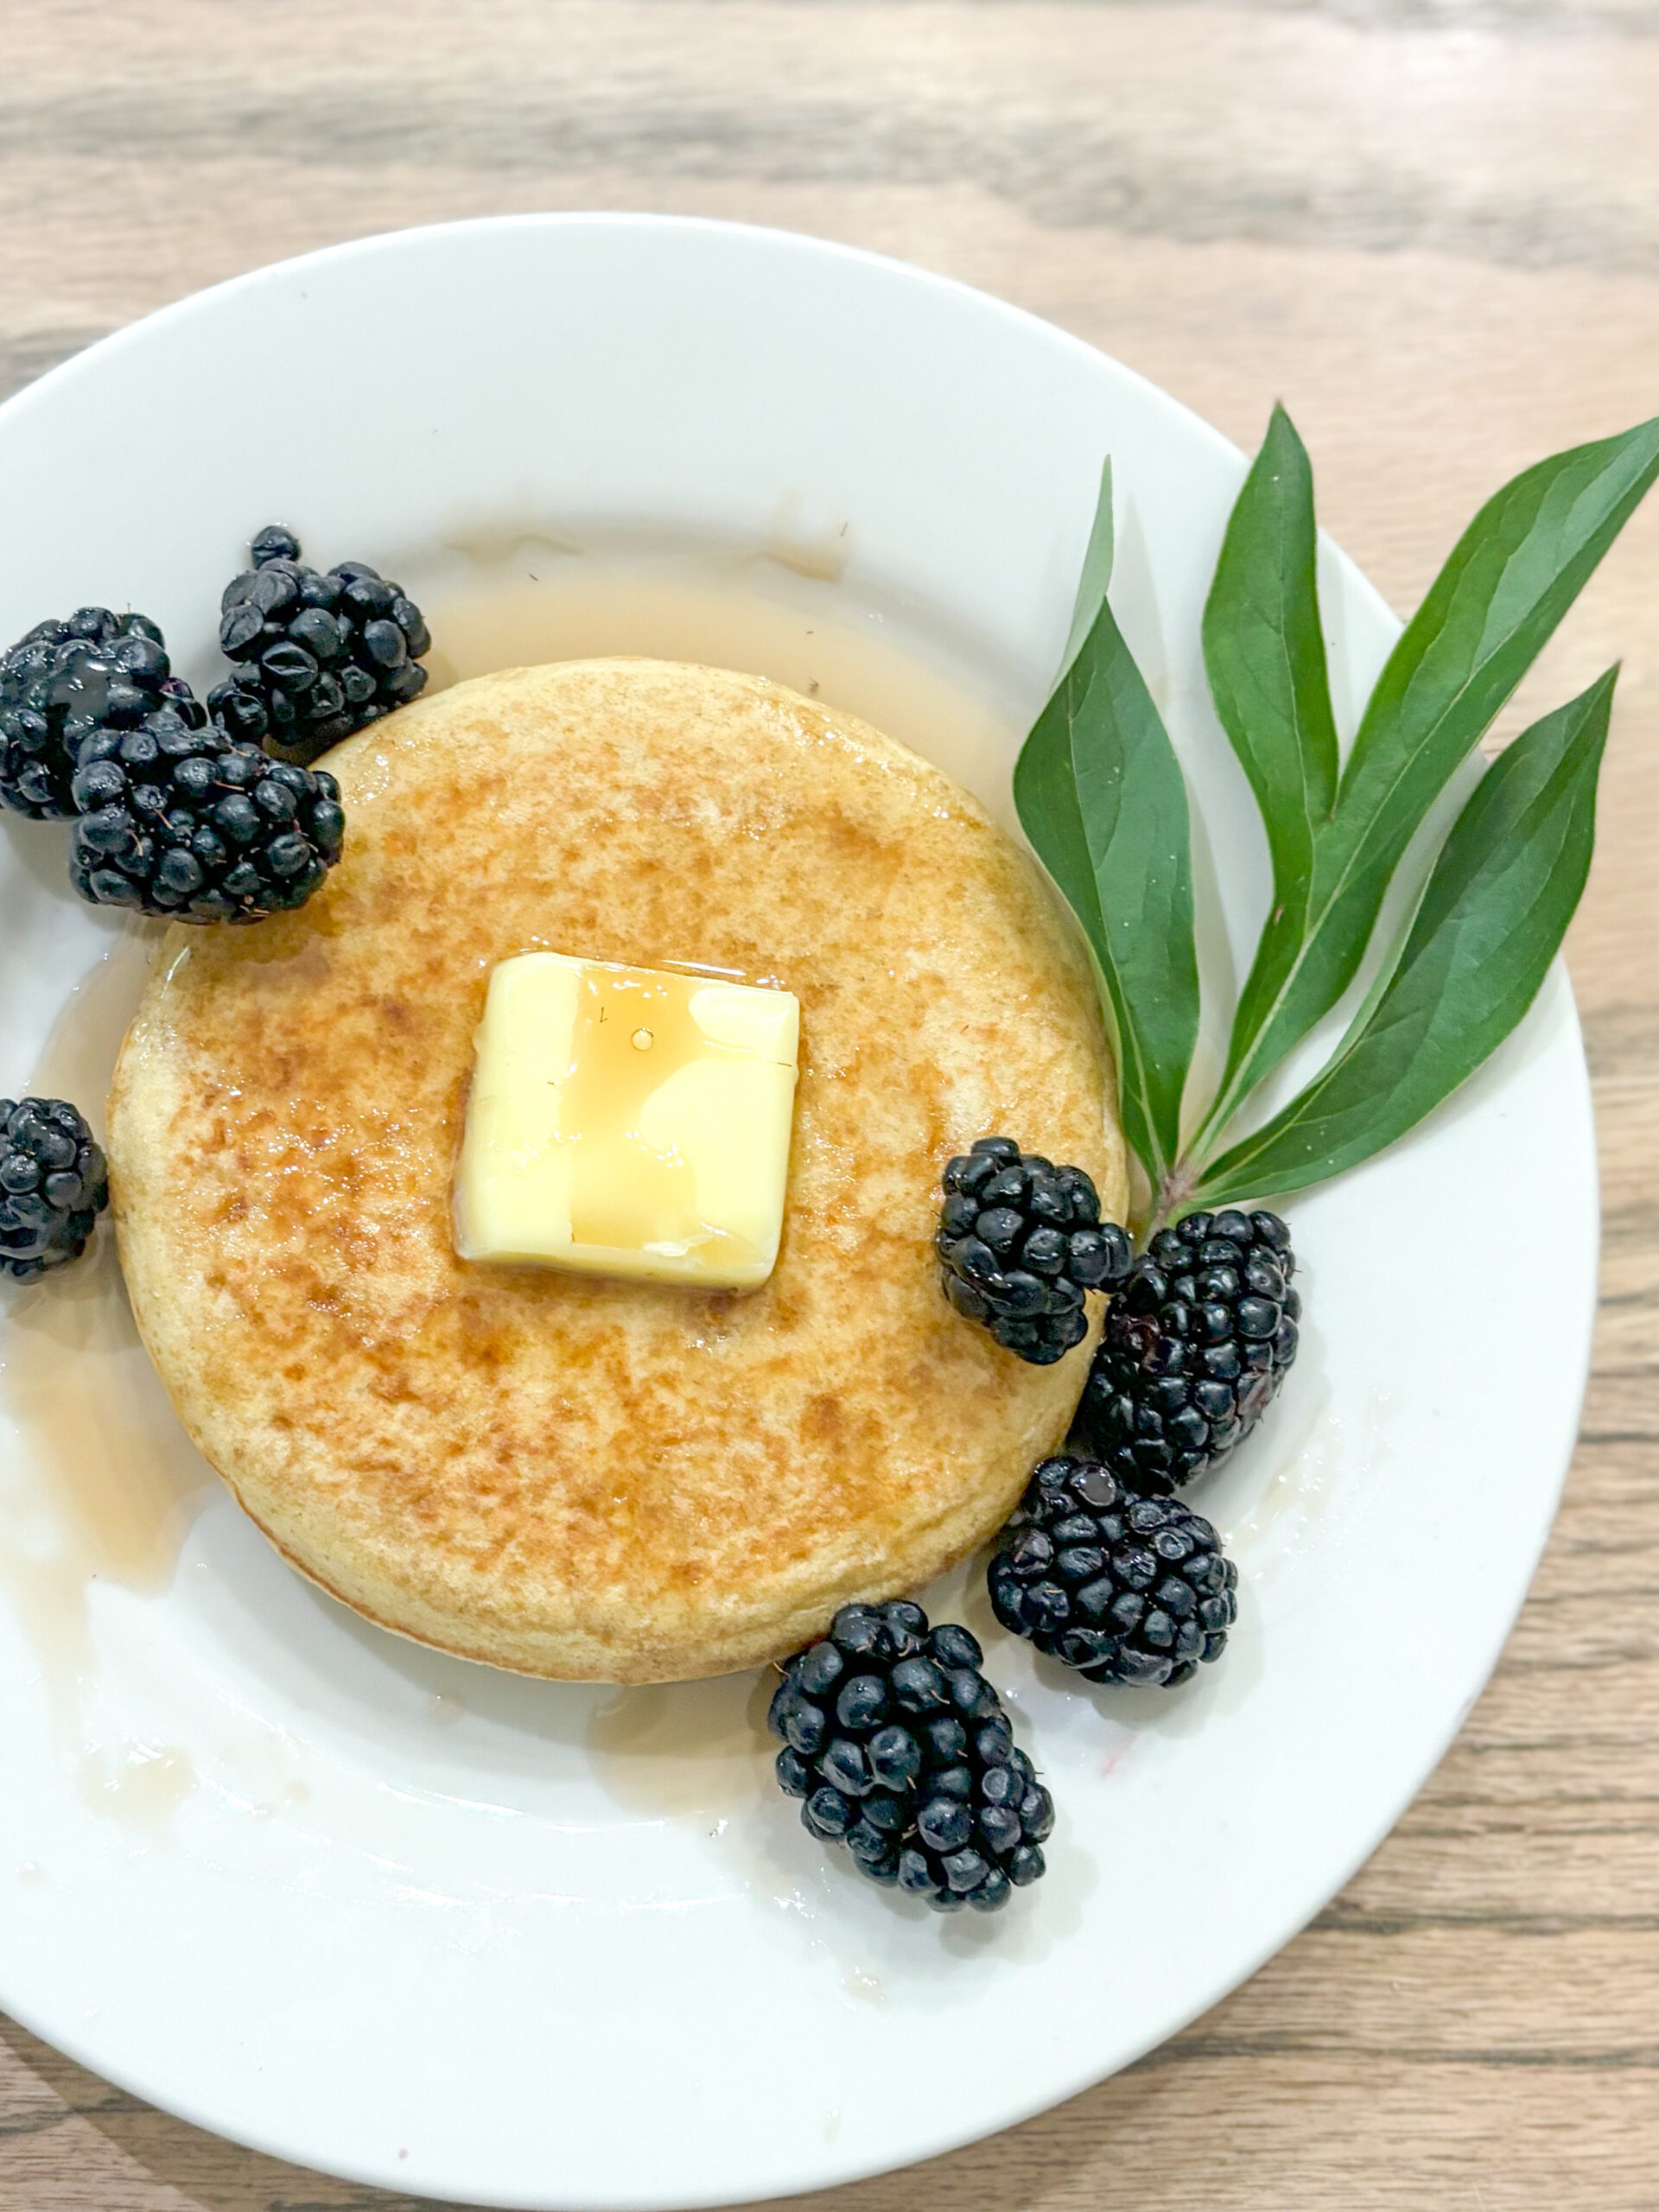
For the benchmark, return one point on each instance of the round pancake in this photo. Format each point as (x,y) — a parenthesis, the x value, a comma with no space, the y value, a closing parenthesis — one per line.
(605,1481)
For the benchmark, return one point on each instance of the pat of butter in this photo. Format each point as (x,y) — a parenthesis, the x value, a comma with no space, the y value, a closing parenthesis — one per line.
(628,1121)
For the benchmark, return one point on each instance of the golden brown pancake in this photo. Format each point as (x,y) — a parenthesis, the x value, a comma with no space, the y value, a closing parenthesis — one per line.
(605,1481)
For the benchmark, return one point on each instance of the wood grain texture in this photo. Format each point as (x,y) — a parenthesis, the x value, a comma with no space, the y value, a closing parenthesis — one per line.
(1433,227)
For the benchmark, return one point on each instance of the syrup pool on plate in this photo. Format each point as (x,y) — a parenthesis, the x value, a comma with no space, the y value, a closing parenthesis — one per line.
(120,1479)
(108,1484)
(782,612)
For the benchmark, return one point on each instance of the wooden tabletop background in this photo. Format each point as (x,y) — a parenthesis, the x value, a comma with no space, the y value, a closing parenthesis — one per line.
(1432,226)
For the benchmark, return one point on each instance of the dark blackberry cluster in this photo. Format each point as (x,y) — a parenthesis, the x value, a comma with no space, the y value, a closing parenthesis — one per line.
(1019,1244)
(320,655)
(1125,1589)
(1194,1349)
(176,820)
(902,1751)
(60,682)
(51,1186)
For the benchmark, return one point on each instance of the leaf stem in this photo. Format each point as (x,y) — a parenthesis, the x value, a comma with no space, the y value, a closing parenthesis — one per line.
(1175,1188)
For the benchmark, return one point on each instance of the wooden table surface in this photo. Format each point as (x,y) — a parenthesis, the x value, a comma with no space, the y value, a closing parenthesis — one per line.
(1432,226)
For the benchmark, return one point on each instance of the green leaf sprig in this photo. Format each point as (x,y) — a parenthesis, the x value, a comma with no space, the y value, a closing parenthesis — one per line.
(1100,793)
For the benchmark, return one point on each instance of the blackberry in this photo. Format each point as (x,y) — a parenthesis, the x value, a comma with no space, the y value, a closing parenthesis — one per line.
(1125,1589)
(1194,1350)
(176,820)
(1020,1243)
(51,1186)
(60,682)
(901,1749)
(321,655)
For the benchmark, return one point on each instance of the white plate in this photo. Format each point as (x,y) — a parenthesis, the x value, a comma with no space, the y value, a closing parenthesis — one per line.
(521,1944)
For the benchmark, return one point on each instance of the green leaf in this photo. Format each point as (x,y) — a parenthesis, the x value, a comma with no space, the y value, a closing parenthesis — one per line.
(1511,579)
(1099,791)
(1045,794)
(1046,799)
(1490,922)
(1264,653)
(1097,571)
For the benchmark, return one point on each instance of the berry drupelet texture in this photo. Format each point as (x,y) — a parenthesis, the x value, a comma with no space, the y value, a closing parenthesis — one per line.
(51,1186)
(59,684)
(320,655)
(1019,1244)
(1194,1349)
(1125,1589)
(900,1749)
(176,820)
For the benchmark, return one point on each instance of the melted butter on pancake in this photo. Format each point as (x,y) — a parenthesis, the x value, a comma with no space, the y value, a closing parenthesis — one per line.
(594,1480)
(628,1121)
